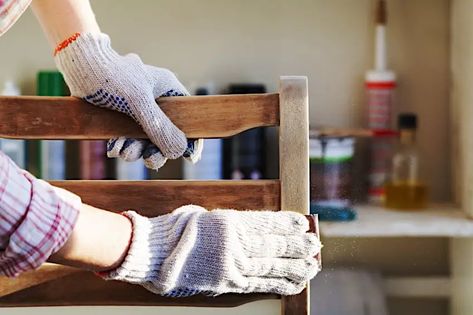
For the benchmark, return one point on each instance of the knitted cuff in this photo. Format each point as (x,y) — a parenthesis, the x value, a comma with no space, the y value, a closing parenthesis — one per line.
(142,261)
(152,242)
(65,43)
(83,49)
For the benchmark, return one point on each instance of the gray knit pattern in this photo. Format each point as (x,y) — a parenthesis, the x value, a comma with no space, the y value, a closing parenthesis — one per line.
(192,250)
(98,74)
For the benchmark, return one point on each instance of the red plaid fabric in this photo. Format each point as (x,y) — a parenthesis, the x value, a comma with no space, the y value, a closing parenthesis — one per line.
(10,12)
(36,219)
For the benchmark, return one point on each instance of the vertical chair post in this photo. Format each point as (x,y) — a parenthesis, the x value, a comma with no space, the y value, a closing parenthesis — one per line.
(294,164)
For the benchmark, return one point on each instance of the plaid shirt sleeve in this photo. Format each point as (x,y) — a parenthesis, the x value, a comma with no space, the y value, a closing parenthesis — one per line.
(36,219)
(10,12)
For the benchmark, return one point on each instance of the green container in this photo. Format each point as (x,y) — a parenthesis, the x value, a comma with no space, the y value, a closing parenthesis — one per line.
(48,83)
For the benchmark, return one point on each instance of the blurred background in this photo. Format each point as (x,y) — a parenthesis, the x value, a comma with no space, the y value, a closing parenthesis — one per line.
(223,46)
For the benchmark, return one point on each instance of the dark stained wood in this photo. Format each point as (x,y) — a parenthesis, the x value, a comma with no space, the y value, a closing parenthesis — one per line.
(295,304)
(45,273)
(35,117)
(156,197)
(314,227)
(84,288)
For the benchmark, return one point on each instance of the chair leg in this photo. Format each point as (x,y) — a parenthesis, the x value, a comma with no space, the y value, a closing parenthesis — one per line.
(294,165)
(296,304)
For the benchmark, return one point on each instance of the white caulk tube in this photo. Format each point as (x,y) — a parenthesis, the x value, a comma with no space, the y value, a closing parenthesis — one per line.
(380,84)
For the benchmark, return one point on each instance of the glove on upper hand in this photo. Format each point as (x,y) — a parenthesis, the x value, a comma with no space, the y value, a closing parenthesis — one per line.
(130,150)
(192,250)
(98,74)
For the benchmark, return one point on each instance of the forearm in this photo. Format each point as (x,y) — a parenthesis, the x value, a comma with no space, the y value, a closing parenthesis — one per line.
(99,241)
(39,221)
(61,19)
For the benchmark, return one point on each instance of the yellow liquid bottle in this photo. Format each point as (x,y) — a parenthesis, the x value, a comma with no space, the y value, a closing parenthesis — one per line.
(404,190)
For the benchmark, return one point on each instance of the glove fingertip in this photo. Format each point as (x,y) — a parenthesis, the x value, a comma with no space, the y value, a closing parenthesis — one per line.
(194,150)
(153,158)
(114,147)
(133,149)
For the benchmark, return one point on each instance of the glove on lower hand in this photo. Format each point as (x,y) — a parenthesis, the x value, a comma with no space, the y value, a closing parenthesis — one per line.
(192,250)
(98,74)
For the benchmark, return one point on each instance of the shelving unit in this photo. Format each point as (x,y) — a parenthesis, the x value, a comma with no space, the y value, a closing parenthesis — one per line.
(436,221)
(372,221)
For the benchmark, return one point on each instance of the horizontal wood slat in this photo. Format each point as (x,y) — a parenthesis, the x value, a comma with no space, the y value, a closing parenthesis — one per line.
(46,290)
(45,273)
(218,116)
(84,288)
(156,197)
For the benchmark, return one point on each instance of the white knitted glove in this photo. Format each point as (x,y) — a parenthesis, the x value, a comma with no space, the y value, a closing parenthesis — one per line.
(192,250)
(98,74)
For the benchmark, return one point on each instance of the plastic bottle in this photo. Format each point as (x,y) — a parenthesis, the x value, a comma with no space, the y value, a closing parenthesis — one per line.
(52,153)
(380,85)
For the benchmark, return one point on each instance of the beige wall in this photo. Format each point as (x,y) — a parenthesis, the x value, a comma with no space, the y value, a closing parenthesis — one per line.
(257,40)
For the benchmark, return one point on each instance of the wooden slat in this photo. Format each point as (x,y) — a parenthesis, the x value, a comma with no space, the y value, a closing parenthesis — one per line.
(71,118)
(294,165)
(156,197)
(84,288)
(149,198)
(54,285)
(152,198)
(45,273)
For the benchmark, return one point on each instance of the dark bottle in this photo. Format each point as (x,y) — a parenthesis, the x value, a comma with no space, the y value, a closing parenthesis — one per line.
(244,154)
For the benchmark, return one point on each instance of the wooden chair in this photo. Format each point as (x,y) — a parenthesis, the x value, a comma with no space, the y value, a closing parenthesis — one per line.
(198,117)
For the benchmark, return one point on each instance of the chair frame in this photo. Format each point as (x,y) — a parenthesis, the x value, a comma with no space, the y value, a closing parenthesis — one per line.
(199,117)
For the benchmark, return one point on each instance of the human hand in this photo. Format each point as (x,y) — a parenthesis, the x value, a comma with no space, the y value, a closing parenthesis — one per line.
(192,250)
(98,74)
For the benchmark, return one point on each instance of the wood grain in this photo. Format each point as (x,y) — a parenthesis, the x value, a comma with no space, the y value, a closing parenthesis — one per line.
(84,288)
(35,117)
(45,273)
(198,117)
(156,197)
(294,165)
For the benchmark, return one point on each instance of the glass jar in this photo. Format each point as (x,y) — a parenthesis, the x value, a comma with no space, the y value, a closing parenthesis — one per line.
(331,171)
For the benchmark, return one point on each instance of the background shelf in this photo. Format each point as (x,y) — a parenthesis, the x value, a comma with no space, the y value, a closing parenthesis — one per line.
(372,221)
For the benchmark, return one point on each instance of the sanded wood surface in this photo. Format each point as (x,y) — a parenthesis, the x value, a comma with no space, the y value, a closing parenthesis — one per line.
(294,165)
(35,117)
(156,197)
